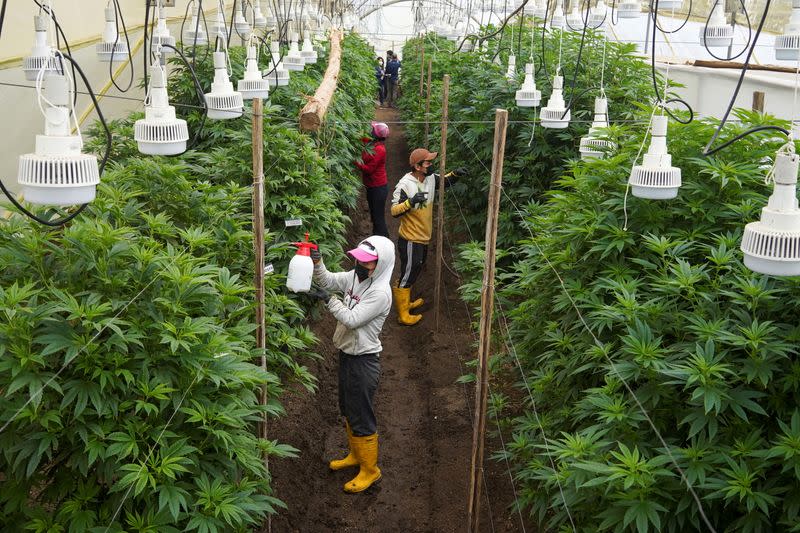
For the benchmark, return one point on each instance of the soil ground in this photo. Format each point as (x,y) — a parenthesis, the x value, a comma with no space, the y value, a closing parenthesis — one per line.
(424,419)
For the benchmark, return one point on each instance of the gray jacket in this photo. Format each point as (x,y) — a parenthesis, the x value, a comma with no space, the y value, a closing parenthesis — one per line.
(364,306)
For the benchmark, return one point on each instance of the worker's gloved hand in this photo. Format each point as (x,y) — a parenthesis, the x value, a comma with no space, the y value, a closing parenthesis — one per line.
(418,199)
(316,256)
(460,172)
(319,293)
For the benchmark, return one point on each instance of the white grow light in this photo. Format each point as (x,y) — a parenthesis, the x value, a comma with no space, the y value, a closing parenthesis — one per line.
(223,102)
(198,37)
(113,48)
(253,86)
(259,20)
(528,95)
(575,18)
(558,20)
(41,54)
(240,23)
(528,9)
(717,33)
(540,9)
(293,60)
(511,71)
(308,52)
(787,46)
(598,15)
(160,132)
(591,147)
(57,173)
(670,5)
(555,114)
(629,9)
(656,178)
(161,34)
(277,76)
(772,245)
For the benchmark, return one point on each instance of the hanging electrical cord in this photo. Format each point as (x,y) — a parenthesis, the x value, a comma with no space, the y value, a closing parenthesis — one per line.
(543,62)
(119,17)
(59,35)
(200,96)
(653,13)
(101,166)
(707,151)
(661,101)
(749,33)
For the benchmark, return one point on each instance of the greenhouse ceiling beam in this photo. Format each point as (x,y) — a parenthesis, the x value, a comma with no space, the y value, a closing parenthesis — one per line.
(393,2)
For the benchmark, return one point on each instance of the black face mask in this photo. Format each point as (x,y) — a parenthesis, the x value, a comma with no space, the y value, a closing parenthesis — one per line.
(429,171)
(362,272)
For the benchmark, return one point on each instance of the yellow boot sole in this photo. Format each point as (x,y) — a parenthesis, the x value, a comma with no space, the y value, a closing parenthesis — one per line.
(361,483)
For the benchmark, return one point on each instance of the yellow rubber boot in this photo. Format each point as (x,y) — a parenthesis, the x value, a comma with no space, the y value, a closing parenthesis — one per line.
(419,302)
(401,304)
(366,449)
(350,460)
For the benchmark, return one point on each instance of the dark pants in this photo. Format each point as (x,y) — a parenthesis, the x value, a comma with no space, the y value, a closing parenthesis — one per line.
(391,92)
(358,381)
(381,91)
(376,198)
(412,258)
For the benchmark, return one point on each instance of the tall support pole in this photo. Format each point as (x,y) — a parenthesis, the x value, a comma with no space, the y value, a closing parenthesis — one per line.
(421,70)
(258,242)
(428,102)
(440,199)
(487,307)
(758,101)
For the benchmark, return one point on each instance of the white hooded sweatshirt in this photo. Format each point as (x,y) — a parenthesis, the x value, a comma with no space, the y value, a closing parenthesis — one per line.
(365,304)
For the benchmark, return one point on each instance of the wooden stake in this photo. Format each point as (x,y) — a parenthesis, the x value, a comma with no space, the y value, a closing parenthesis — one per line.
(428,102)
(258,242)
(487,306)
(758,101)
(421,70)
(440,199)
(313,113)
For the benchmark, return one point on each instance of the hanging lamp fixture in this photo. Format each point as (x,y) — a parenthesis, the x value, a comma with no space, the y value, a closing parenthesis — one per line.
(591,147)
(190,35)
(598,15)
(787,46)
(528,95)
(656,178)
(717,33)
(575,19)
(293,60)
(253,86)
(555,114)
(308,53)
(223,102)
(161,34)
(259,20)
(42,56)
(558,20)
(276,75)
(240,23)
(160,132)
(629,9)
(57,172)
(772,245)
(511,71)
(112,48)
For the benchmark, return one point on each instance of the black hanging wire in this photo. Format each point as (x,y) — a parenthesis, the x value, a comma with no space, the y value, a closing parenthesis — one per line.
(59,35)
(659,99)
(652,14)
(144,48)
(749,33)
(101,166)
(707,151)
(119,17)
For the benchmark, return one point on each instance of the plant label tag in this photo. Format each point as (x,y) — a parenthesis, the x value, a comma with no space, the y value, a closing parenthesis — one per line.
(269,269)
(294,222)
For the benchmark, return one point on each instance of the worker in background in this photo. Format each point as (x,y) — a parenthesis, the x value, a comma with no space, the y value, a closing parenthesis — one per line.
(380,75)
(373,174)
(392,75)
(412,203)
(365,302)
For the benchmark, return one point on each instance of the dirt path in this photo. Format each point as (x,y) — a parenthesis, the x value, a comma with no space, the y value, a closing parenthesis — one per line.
(424,420)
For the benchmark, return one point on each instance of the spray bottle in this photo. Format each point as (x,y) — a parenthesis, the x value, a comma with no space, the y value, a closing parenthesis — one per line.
(301,267)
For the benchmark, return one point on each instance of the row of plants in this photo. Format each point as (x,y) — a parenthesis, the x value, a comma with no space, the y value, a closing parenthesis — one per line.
(129,377)
(646,357)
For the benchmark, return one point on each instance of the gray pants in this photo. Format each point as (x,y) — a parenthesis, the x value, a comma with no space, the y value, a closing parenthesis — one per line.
(391,92)
(358,381)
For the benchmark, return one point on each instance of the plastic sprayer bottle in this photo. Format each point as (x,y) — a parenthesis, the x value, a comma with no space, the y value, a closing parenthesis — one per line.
(301,267)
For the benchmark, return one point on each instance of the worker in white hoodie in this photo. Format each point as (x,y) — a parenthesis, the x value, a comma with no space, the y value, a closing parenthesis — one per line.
(361,311)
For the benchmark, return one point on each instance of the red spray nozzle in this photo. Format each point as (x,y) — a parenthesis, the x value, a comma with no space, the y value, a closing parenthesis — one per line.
(304,248)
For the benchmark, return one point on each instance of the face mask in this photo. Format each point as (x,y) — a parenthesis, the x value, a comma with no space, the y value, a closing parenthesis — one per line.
(430,170)
(362,272)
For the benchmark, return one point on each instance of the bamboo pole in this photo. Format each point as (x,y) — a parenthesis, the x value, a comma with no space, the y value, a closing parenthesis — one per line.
(421,70)
(428,102)
(313,113)
(258,241)
(487,307)
(440,212)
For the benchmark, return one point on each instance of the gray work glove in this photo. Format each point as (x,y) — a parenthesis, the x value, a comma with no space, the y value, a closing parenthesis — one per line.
(319,294)
(418,199)
(316,256)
